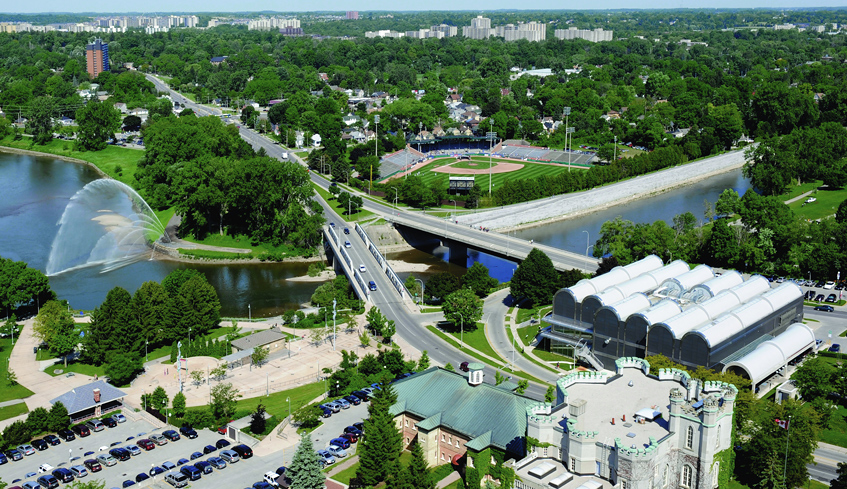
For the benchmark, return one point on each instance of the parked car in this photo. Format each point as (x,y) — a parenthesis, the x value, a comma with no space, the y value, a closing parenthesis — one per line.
(192,472)
(95,425)
(93,465)
(243,451)
(120,453)
(156,470)
(177,479)
(350,437)
(204,467)
(81,430)
(48,481)
(64,475)
(229,456)
(209,449)
(221,443)
(109,422)
(217,462)
(831,298)
(158,439)
(359,426)
(343,403)
(326,412)
(106,459)
(52,440)
(353,430)
(195,455)
(40,444)
(120,418)
(353,400)
(79,471)
(835,348)
(819,298)
(14,455)
(167,464)
(829,285)
(141,477)
(26,449)
(188,432)
(171,435)
(31,485)
(146,444)
(341,442)
(66,435)
(181,462)
(825,308)
(262,485)
(336,451)
(326,457)
(45,468)
(270,478)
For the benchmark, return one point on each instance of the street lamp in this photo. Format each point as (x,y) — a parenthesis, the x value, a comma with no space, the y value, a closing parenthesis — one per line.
(422,290)
(587,239)
(334,339)
(189,337)
(491,135)
(289,408)
(615,151)
(396,195)
(567,113)
(454,204)
(376,147)
(249,313)
(462,331)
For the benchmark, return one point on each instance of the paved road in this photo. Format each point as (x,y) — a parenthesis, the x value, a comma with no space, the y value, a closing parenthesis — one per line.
(200,110)
(827,458)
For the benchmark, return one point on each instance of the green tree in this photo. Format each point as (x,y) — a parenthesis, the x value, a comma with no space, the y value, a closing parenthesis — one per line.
(727,123)
(606,152)
(388,331)
(223,401)
(112,329)
(522,386)
(257,420)
(179,404)
(59,419)
(307,416)
(463,307)
(55,326)
(379,452)
(159,399)
(259,355)
(305,469)
(841,213)
(535,279)
(17,433)
(423,361)
(441,285)
(38,420)
(132,123)
(149,310)
(449,367)
(418,469)
(814,378)
(477,278)
(376,320)
(123,367)
(550,395)
(98,122)
(728,202)
(40,113)
(841,481)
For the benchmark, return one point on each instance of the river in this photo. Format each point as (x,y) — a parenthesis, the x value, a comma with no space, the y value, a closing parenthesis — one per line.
(36,191)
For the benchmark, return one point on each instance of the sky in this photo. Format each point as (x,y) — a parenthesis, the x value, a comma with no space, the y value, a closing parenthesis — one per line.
(163,6)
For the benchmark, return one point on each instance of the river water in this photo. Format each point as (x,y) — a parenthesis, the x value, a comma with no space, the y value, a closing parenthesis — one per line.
(36,191)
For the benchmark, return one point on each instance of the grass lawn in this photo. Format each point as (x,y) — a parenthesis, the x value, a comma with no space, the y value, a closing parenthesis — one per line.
(165,215)
(527,333)
(431,309)
(7,412)
(527,313)
(107,160)
(476,339)
(797,190)
(356,216)
(15,392)
(552,357)
(79,368)
(523,354)
(836,432)
(165,351)
(529,170)
(825,206)
(239,242)
(345,475)
(276,404)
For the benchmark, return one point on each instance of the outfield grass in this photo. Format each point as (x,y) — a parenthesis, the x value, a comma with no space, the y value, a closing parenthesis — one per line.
(8,393)
(825,206)
(107,160)
(529,170)
(13,410)
(356,216)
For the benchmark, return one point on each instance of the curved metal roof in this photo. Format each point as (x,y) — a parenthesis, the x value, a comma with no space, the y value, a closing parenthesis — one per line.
(786,293)
(644,265)
(686,321)
(730,324)
(635,303)
(676,286)
(717,285)
(644,283)
(752,287)
(663,310)
(773,354)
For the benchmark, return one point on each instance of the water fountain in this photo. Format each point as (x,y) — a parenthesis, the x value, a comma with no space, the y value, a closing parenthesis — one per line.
(106,223)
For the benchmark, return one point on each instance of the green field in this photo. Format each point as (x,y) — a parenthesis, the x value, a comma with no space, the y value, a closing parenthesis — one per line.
(79,368)
(7,412)
(825,206)
(107,160)
(529,170)
(8,393)
(476,339)
(356,216)
(241,242)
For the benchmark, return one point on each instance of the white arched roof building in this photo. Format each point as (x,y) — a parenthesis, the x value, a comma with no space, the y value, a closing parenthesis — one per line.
(769,356)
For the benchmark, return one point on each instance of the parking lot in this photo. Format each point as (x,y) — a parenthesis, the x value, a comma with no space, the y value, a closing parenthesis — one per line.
(242,474)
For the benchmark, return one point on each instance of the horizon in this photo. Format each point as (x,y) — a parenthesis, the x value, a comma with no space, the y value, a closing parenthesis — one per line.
(335,6)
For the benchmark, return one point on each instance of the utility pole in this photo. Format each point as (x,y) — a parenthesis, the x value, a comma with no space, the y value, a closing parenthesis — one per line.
(491,135)
(567,113)
(179,363)
(334,339)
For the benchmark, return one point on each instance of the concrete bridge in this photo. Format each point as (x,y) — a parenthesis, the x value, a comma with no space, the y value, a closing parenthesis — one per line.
(460,237)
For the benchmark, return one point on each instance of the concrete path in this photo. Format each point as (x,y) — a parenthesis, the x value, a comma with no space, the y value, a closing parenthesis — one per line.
(453,477)
(343,465)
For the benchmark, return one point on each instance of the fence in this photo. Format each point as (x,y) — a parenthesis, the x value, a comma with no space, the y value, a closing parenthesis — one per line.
(282,426)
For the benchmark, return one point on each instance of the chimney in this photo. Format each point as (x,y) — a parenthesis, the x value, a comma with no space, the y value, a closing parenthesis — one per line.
(96,395)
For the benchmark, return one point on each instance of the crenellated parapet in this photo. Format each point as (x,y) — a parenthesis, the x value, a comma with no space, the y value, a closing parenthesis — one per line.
(647,451)
(632,362)
(540,413)
(675,374)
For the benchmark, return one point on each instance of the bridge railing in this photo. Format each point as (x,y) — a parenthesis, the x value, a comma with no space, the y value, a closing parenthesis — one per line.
(345,257)
(383,263)
(333,234)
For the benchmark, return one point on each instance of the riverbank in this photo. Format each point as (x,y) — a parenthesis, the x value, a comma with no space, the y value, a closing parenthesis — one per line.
(563,207)
(19,151)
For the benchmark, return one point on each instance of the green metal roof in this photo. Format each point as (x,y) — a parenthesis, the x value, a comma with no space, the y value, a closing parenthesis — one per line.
(480,443)
(431,422)
(471,411)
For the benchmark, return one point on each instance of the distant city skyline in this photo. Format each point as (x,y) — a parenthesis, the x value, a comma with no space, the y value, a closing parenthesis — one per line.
(221,6)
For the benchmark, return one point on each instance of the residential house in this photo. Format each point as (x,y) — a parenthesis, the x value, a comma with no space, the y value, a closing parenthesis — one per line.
(218,60)
(121,107)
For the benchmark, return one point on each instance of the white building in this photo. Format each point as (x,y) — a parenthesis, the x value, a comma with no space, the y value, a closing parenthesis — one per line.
(448,30)
(597,35)
(384,33)
(531,31)
(271,23)
(480,28)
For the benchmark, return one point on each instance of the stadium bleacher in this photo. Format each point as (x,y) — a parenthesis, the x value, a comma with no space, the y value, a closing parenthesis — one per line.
(390,164)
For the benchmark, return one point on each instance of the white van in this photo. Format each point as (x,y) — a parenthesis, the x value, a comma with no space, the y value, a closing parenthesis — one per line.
(95,425)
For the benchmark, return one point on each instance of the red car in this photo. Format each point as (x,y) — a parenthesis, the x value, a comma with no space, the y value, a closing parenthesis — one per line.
(146,444)
(349,437)
(93,465)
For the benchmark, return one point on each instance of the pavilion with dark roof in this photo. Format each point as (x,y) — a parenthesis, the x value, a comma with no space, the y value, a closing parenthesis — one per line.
(91,400)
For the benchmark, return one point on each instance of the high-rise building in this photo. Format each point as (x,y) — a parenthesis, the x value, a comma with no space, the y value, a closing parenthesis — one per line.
(480,28)
(448,30)
(352,15)
(531,31)
(597,35)
(97,58)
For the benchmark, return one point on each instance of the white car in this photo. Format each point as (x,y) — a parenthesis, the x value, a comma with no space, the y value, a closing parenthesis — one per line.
(45,469)
(829,285)
(362,269)
(347,244)
(336,452)
(120,418)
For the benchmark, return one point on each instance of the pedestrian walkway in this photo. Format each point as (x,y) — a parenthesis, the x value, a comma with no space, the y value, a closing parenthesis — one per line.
(453,477)
(343,465)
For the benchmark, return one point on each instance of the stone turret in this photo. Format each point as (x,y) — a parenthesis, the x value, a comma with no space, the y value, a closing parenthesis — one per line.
(677,401)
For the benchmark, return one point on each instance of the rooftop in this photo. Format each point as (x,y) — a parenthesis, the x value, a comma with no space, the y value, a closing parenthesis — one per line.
(258,339)
(82,397)
(645,392)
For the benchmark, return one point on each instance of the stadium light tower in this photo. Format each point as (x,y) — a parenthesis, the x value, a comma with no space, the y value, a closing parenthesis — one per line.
(491,135)
(567,113)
